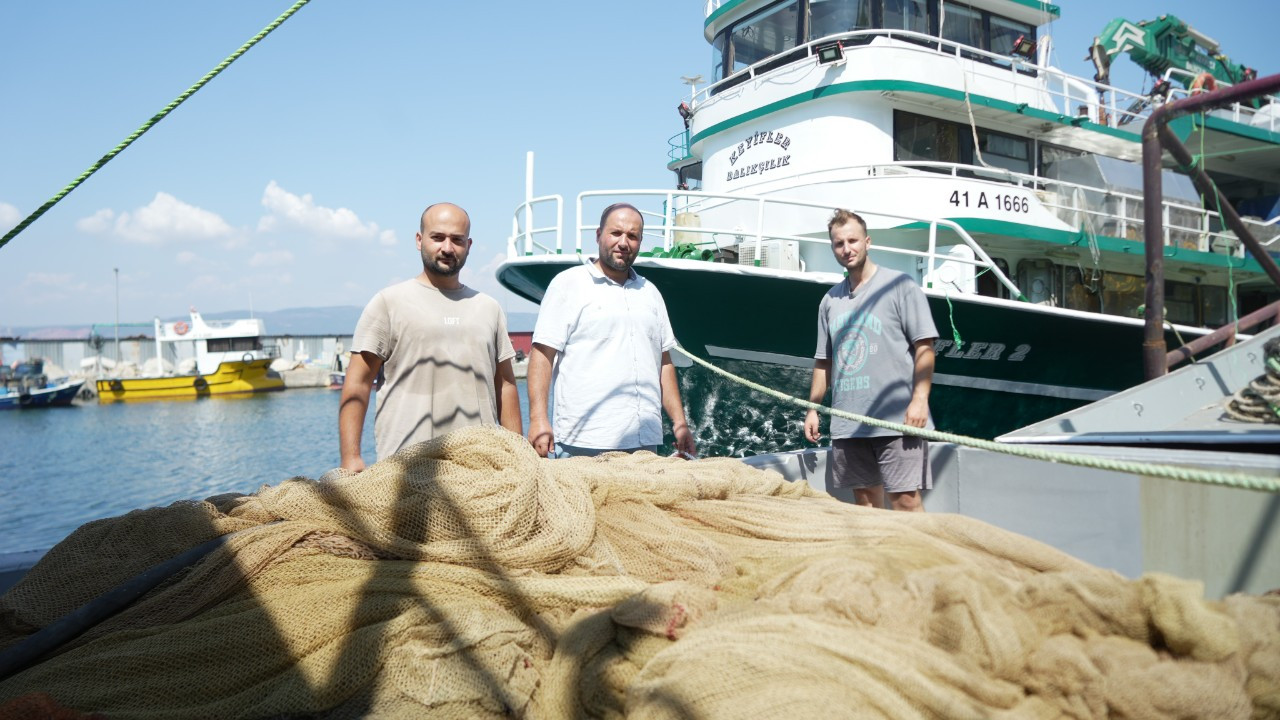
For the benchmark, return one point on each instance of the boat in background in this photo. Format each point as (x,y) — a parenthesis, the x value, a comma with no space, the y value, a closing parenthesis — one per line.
(230,359)
(27,386)
(1009,190)
(336,379)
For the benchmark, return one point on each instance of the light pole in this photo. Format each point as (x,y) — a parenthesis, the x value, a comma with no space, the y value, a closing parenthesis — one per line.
(117,272)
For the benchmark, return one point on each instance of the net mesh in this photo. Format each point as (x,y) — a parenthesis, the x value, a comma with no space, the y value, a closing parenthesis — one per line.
(467,577)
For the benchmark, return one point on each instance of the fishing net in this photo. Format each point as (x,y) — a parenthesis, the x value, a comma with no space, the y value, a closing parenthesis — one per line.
(467,577)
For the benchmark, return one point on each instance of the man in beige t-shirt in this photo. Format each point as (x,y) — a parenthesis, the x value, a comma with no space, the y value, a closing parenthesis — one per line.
(438,350)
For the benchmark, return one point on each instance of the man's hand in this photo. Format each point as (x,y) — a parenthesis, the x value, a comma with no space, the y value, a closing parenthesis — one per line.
(540,435)
(917,412)
(354,464)
(684,440)
(812,431)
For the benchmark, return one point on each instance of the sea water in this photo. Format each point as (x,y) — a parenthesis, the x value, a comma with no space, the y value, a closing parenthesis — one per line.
(63,467)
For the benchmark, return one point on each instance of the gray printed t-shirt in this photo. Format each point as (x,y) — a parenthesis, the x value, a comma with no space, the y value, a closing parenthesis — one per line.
(440,351)
(868,337)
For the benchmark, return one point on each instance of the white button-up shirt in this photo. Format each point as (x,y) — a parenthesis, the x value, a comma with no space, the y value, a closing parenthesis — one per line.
(607,391)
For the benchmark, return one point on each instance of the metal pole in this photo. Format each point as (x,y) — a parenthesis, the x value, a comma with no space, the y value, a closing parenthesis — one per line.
(117,272)
(1153,345)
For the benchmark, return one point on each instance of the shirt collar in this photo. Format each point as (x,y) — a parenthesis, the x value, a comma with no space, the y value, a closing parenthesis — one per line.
(595,272)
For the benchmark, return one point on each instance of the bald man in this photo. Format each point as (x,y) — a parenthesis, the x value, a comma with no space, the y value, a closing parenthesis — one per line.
(437,351)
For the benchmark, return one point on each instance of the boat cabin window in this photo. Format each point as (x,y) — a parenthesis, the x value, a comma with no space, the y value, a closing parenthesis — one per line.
(963,25)
(832,17)
(989,285)
(782,26)
(769,32)
(240,344)
(916,137)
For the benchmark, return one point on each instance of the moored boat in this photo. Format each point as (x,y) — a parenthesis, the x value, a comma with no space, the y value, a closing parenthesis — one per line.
(27,386)
(1009,189)
(229,359)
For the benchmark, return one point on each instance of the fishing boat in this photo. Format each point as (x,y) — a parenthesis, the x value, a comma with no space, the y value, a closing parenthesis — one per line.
(1009,189)
(229,359)
(27,386)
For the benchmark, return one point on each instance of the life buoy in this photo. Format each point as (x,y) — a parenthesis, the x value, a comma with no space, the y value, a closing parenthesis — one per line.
(1204,82)
(201,384)
(181,327)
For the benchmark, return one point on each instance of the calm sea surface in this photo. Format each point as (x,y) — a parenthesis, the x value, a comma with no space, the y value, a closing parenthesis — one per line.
(62,467)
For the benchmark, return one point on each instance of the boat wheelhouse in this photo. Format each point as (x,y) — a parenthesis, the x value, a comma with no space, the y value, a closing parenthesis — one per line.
(1010,189)
(229,358)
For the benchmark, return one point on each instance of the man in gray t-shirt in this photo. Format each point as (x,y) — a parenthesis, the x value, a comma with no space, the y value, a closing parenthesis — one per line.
(439,350)
(875,352)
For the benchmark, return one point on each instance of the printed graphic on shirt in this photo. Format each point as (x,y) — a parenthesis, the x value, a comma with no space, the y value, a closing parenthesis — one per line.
(858,334)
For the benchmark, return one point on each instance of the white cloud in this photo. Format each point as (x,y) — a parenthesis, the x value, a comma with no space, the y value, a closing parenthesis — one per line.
(271,258)
(9,217)
(165,219)
(96,223)
(301,211)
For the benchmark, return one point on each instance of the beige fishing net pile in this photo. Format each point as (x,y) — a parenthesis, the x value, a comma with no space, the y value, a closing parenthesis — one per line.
(466,577)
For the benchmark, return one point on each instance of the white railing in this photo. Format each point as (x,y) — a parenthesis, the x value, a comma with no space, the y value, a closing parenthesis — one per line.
(1070,94)
(690,200)
(525,210)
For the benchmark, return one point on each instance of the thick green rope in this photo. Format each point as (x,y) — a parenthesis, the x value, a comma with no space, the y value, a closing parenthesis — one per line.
(149,124)
(1168,472)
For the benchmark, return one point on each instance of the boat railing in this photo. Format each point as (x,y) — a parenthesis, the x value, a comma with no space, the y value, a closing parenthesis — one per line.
(676,204)
(1185,225)
(1068,96)
(1238,112)
(525,210)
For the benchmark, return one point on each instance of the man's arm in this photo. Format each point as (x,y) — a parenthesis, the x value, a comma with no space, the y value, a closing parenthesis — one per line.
(922,383)
(362,369)
(675,408)
(504,385)
(538,380)
(817,389)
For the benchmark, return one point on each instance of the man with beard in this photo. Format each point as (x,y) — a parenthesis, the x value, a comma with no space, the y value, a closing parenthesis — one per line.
(875,342)
(438,351)
(603,340)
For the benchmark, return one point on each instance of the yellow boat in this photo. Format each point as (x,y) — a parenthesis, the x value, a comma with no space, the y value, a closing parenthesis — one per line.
(229,359)
(231,378)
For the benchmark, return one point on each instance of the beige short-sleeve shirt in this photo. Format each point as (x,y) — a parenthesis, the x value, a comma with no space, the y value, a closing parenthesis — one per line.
(440,352)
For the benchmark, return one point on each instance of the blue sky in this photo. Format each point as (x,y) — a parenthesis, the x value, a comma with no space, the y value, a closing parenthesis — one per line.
(296,177)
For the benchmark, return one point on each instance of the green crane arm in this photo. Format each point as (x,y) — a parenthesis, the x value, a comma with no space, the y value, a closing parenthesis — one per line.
(1163,43)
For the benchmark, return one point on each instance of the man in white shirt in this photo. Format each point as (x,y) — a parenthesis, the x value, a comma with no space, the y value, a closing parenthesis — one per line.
(439,351)
(603,339)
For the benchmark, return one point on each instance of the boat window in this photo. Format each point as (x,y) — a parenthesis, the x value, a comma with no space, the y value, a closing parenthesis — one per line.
(832,17)
(689,177)
(768,32)
(1005,151)
(916,137)
(1214,304)
(1081,289)
(1180,302)
(717,57)
(1122,294)
(1004,32)
(910,15)
(240,344)
(963,25)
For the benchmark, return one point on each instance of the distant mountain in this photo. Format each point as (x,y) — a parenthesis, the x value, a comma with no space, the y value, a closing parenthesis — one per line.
(336,320)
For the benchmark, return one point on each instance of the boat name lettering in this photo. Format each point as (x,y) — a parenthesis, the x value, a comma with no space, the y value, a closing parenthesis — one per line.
(979,351)
(760,167)
(760,138)
(998,201)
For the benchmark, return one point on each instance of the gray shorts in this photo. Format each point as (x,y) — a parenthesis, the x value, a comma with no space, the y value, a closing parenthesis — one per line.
(899,463)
